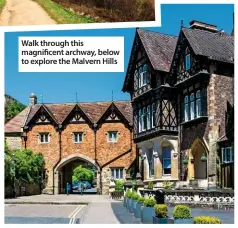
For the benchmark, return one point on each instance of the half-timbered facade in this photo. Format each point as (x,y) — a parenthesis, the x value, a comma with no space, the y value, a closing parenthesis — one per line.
(180,111)
(154,104)
(98,135)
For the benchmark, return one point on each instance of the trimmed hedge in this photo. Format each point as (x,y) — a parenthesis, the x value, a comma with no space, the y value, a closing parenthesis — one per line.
(182,212)
(206,220)
(149,202)
(141,200)
(161,210)
(128,194)
(134,195)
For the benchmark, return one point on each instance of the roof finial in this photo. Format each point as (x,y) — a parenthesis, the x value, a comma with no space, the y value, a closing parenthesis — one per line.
(41,99)
(182,24)
(76,97)
(112,95)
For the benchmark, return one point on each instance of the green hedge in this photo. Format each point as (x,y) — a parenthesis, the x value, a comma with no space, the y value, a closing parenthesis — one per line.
(206,220)
(182,212)
(161,210)
(134,195)
(140,200)
(149,202)
(128,194)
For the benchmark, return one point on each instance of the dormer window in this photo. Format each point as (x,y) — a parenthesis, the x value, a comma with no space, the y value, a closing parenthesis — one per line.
(143,75)
(187,59)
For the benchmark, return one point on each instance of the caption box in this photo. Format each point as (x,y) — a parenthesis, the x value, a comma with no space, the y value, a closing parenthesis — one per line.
(71,54)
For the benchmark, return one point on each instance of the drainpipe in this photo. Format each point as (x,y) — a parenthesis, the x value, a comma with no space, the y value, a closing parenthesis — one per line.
(60,154)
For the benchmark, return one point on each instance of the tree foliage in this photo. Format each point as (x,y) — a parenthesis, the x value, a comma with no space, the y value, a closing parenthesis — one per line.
(24,164)
(82,174)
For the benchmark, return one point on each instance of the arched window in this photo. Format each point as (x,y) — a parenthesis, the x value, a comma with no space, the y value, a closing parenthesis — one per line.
(198,103)
(148,117)
(166,154)
(192,106)
(186,108)
(187,59)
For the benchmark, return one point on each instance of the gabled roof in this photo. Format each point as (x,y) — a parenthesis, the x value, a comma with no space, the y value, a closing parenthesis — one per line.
(159,48)
(14,125)
(59,112)
(217,46)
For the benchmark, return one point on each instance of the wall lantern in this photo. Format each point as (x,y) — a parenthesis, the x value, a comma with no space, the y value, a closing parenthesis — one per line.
(203,158)
(185,161)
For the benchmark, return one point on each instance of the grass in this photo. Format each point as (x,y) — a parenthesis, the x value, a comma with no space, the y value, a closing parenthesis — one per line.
(60,14)
(2,4)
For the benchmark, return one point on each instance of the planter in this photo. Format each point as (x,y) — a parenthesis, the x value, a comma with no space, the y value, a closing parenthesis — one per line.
(162,220)
(147,214)
(183,221)
(134,206)
(128,204)
(131,208)
(124,201)
(137,212)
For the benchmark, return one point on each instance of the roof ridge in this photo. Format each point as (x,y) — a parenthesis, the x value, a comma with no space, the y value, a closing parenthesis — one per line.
(161,33)
(85,102)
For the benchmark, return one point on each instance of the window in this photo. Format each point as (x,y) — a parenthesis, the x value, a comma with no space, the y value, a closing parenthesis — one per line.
(112,136)
(148,117)
(78,137)
(166,153)
(140,120)
(192,106)
(186,110)
(227,155)
(153,115)
(187,59)
(44,138)
(151,162)
(198,103)
(117,173)
(144,122)
(143,78)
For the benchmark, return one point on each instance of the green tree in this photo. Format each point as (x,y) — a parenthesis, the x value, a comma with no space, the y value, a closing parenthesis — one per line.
(82,174)
(12,108)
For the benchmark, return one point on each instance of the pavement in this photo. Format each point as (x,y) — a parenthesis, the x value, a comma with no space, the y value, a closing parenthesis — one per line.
(86,209)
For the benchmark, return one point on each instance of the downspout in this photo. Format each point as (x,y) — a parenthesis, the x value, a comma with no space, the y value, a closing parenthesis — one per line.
(60,155)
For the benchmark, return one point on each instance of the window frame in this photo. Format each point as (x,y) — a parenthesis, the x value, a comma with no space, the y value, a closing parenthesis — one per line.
(148,117)
(114,170)
(78,134)
(151,162)
(153,115)
(44,134)
(144,119)
(143,77)
(224,149)
(115,139)
(187,59)
(166,158)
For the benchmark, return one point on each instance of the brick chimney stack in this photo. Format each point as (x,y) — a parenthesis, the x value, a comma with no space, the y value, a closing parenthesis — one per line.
(33,99)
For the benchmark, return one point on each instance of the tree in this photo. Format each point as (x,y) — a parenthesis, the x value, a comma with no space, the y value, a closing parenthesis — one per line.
(82,174)
(12,108)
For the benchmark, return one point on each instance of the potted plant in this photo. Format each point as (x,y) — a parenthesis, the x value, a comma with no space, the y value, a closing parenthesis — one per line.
(161,214)
(139,205)
(126,198)
(148,210)
(134,198)
(206,220)
(128,202)
(182,215)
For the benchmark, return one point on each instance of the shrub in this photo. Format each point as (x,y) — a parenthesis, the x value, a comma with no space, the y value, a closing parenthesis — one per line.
(161,210)
(128,194)
(167,185)
(134,195)
(119,185)
(140,200)
(83,174)
(182,212)
(149,202)
(206,220)
(150,185)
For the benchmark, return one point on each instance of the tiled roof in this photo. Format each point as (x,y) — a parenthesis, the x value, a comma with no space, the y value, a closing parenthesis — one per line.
(14,125)
(94,111)
(159,48)
(215,45)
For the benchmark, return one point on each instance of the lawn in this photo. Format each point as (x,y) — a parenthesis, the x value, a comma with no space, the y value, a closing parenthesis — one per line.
(2,4)
(60,14)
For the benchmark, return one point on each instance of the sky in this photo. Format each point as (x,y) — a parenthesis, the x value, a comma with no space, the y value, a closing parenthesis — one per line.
(62,87)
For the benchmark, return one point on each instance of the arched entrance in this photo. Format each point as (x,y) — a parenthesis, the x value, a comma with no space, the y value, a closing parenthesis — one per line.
(198,163)
(64,173)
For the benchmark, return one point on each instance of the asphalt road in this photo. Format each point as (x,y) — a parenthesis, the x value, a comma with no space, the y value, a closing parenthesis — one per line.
(43,214)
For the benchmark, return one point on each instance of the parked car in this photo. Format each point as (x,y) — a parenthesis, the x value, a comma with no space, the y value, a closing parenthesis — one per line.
(88,185)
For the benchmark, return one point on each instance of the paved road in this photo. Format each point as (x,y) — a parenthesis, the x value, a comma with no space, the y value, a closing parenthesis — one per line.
(43,214)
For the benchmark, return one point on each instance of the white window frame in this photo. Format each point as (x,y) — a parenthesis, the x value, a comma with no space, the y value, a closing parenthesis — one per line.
(113,139)
(163,159)
(77,134)
(198,98)
(148,117)
(192,106)
(143,76)
(44,134)
(186,108)
(187,59)
(144,119)
(140,120)
(120,173)
(224,150)
(153,112)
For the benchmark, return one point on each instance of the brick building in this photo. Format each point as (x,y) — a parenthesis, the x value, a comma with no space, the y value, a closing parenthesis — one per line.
(181,90)
(95,134)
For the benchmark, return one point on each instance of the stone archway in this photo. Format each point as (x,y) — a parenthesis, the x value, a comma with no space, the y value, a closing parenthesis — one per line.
(63,171)
(198,169)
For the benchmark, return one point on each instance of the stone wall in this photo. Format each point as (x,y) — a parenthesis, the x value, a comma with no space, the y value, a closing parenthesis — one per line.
(13,141)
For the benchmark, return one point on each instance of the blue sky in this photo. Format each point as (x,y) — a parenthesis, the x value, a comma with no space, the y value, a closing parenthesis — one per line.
(62,87)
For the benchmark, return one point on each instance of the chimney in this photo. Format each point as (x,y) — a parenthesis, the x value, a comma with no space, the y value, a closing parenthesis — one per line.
(202,26)
(33,99)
